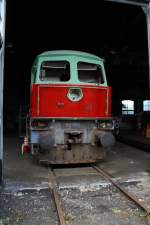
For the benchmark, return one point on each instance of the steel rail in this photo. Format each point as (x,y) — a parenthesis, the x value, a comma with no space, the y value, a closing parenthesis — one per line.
(124,191)
(53,187)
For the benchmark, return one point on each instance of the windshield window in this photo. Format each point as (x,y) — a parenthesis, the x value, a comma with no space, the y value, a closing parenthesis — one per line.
(55,71)
(90,73)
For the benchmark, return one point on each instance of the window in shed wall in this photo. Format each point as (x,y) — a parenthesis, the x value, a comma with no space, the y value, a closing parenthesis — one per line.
(146,105)
(127,107)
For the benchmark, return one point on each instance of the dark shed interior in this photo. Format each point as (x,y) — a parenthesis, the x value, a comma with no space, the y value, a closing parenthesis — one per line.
(116,32)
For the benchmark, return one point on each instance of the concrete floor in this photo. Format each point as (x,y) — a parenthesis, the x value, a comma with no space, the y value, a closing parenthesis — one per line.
(20,168)
(87,198)
(24,197)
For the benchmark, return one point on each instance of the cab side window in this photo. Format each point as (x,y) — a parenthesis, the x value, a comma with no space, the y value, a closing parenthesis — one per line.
(90,73)
(55,71)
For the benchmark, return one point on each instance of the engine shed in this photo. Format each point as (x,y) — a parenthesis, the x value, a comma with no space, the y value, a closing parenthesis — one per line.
(47,113)
(116,30)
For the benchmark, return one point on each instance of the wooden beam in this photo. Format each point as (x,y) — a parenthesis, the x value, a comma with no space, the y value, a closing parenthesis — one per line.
(132,2)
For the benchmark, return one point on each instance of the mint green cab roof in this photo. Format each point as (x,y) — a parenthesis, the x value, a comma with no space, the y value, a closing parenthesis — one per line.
(69,53)
(73,57)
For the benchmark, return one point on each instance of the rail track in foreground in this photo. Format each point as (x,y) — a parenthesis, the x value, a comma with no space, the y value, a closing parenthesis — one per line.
(53,188)
(53,185)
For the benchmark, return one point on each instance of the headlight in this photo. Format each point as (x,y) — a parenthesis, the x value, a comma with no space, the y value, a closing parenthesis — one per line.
(106,124)
(39,124)
(75,94)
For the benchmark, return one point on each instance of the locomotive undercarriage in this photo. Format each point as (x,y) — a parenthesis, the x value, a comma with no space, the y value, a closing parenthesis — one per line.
(64,141)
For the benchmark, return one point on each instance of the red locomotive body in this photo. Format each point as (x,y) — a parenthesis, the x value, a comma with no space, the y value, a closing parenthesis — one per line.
(70,112)
(51,101)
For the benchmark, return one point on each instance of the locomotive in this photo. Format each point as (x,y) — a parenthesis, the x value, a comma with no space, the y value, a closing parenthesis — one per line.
(70,117)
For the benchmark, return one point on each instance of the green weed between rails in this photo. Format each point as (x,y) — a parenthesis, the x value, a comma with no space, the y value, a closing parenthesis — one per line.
(69,218)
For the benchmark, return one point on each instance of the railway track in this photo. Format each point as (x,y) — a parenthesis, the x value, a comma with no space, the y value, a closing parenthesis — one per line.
(134,198)
(53,188)
(102,173)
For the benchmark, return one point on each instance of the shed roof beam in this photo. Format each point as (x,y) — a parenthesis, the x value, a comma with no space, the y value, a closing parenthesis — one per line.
(132,2)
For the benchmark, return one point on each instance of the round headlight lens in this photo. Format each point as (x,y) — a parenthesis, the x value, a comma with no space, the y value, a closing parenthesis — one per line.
(75,94)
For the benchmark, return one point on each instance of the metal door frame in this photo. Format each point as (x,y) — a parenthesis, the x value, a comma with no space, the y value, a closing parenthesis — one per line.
(2,51)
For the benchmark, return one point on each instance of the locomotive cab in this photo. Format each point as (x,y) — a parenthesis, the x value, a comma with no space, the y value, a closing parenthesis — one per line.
(70,109)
